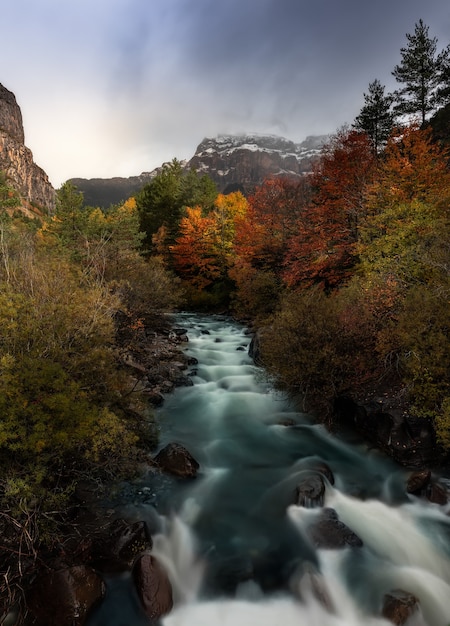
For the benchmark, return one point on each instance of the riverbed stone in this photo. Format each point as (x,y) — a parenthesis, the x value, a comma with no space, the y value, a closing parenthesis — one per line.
(65,597)
(310,491)
(418,481)
(119,544)
(437,494)
(399,606)
(329,532)
(153,586)
(176,460)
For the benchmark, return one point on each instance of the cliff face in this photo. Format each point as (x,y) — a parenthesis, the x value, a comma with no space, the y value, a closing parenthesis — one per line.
(16,160)
(244,161)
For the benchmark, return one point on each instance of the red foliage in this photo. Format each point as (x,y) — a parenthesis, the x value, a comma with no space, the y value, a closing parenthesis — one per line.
(323,248)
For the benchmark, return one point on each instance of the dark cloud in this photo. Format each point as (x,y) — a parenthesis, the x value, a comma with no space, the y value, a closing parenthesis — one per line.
(114,87)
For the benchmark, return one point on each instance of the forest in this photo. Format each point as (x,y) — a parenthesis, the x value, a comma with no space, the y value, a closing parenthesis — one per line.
(344,273)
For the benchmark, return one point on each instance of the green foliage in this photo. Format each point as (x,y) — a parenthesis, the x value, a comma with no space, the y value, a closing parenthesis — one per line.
(376,118)
(418,337)
(161,202)
(420,71)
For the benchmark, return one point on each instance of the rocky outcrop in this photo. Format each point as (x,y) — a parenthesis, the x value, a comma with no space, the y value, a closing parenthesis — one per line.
(408,440)
(118,547)
(241,162)
(16,160)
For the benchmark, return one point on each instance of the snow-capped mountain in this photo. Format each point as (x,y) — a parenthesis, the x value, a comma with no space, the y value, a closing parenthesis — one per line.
(244,161)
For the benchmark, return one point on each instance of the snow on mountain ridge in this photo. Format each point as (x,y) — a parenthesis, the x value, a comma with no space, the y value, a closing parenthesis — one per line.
(226,144)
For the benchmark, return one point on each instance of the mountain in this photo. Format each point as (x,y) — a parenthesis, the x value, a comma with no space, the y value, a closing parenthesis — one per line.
(16,160)
(234,162)
(240,162)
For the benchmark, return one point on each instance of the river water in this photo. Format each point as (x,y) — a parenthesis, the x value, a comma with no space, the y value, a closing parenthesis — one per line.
(234,542)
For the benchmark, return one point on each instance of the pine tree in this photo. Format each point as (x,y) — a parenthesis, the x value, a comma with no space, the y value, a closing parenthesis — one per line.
(376,117)
(420,72)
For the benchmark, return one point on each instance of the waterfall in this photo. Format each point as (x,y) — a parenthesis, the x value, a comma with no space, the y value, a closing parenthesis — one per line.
(235,543)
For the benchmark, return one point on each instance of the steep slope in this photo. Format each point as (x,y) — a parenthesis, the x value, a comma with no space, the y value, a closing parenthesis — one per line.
(16,160)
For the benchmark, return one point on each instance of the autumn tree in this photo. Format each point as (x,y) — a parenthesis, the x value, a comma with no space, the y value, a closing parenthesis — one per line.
(323,250)
(420,72)
(161,202)
(194,249)
(260,243)
(271,219)
(376,117)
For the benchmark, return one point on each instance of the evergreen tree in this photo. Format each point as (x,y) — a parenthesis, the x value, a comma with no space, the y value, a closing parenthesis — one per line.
(376,118)
(161,202)
(420,72)
(443,92)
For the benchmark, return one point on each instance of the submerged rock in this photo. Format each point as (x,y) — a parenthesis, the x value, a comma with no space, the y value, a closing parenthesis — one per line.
(153,586)
(330,533)
(176,460)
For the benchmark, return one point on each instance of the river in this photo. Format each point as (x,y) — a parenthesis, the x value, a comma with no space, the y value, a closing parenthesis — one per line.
(233,540)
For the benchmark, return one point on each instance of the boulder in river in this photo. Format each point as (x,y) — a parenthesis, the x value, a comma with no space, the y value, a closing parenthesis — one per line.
(65,597)
(176,460)
(153,586)
(399,606)
(310,491)
(330,533)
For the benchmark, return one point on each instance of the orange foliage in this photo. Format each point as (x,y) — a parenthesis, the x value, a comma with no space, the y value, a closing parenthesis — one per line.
(323,249)
(193,252)
(270,221)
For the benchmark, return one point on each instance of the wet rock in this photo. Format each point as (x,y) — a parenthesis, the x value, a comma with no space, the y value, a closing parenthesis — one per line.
(182,380)
(65,597)
(286,422)
(325,470)
(153,586)
(310,491)
(176,460)
(155,398)
(409,440)
(330,533)
(399,606)
(437,494)
(119,545)
(418,481)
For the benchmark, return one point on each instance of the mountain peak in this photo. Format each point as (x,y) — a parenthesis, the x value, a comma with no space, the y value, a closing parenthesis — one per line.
(243,161)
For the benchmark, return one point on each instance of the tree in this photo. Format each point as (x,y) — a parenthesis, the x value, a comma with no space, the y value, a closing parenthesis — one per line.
(420,71)
(271,219)
(323,250)
(161,202)
(194,250)
(376,117)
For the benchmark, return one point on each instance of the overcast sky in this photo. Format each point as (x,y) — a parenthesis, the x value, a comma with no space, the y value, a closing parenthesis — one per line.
(117,87)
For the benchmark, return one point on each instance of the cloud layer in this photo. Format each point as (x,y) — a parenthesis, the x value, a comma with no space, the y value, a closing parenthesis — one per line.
(116,87)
